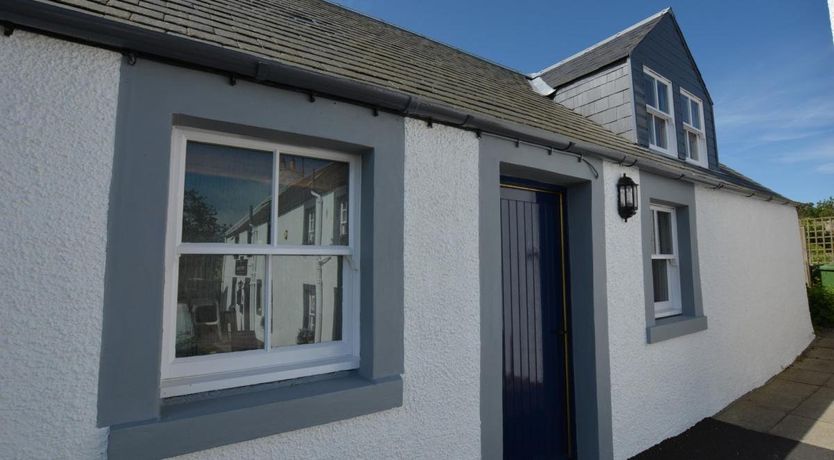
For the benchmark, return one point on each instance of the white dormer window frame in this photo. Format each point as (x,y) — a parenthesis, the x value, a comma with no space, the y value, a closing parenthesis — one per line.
(694,132)
(657,117)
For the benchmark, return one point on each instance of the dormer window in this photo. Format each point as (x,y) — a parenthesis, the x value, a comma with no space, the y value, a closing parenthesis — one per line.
(693,129)
(660,112)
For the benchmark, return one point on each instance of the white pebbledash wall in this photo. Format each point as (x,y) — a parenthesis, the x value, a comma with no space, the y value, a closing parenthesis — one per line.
(753,291)
(59,101)
(440,415)
(56,148)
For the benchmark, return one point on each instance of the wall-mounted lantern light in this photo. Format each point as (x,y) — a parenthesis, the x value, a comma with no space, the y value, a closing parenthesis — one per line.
(626,197)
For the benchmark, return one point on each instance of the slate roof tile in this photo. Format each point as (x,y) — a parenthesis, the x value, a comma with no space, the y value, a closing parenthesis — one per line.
(323,37)
(606,52)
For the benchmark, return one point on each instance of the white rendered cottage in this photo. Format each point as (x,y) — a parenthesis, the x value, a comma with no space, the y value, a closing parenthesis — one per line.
(281,229)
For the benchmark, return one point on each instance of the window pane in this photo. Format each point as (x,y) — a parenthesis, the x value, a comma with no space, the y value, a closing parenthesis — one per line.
(696,114)
(660,280)
(220,302)
(685,112)
(312,201)
(662,97)
(664,230)
(306,299)
(692,142)
(660,132)
(651,92)
(227,195)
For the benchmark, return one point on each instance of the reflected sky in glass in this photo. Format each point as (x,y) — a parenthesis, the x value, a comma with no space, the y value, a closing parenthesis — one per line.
(229,180)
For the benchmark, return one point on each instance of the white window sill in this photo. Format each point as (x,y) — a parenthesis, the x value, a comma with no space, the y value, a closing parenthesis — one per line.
(667,313)
(666,152)
(697,163)
(198,384)
(659,113)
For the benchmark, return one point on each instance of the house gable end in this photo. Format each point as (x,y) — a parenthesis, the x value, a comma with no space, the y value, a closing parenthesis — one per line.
(665,52)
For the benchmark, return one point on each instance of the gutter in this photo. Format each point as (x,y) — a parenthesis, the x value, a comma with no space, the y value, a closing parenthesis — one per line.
(89,28)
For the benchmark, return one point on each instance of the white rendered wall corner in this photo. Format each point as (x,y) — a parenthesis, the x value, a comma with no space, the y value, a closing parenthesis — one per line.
(440,416)
(57,128)
(753,294)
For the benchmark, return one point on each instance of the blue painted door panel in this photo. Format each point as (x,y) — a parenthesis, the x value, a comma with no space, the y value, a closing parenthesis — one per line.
(536,377)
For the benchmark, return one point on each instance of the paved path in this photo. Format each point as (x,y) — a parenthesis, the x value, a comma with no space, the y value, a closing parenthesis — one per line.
(798,403)
(790,417)
(711,439)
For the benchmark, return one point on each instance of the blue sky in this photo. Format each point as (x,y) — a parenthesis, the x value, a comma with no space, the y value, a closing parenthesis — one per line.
(769,66)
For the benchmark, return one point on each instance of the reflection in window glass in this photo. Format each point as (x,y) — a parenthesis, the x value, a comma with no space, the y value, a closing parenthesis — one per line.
(692,143)
(310,193)
(340,231)
(651,92)
(310,225)
(696,114)
(306,299)
(227,195)
(662,97)
(660,132)
(664,230)
(660,280)
(219,304)
(685,112)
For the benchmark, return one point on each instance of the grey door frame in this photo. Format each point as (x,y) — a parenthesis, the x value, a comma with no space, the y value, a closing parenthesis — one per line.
(586,257)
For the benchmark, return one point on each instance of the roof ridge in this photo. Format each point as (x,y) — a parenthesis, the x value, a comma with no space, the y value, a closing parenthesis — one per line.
(604,41)
(424,37)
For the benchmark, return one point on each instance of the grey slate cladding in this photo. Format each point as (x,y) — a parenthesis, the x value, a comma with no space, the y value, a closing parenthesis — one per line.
(318,36)
(664,51)
(604,97)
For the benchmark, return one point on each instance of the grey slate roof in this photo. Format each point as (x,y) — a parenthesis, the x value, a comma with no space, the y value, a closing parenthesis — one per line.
(321,37)
(731,175)
(606,52)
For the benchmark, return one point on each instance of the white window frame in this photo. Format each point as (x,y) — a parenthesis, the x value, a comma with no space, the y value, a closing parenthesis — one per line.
(699,133)
(671,139)
(187,375)
(673,305)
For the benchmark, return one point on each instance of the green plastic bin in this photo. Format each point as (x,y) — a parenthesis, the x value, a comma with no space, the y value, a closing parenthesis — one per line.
(827,275)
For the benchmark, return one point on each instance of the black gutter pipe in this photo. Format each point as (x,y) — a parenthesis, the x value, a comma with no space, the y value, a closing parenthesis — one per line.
(88,28)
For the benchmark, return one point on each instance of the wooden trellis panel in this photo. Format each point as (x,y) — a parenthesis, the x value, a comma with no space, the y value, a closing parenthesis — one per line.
(818,240)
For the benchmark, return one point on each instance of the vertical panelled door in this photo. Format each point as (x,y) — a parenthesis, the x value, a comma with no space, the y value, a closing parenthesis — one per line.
(536,394)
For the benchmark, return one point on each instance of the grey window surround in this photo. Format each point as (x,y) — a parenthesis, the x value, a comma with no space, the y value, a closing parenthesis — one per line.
(675,326)
(153,98)
(588,304)
(237,416)
(681,196)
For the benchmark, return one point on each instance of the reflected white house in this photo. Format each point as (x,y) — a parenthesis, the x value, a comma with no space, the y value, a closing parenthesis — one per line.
(225,304)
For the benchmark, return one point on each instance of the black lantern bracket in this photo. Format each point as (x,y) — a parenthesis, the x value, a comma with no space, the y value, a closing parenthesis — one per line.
(627,199)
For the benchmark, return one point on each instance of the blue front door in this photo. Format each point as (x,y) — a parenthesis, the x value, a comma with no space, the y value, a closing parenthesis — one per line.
(537,402)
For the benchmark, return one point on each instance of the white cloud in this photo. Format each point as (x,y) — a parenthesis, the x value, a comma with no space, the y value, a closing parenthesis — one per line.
(831,16)
(826,168)
(786,103)
(769,117)
(813,152)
